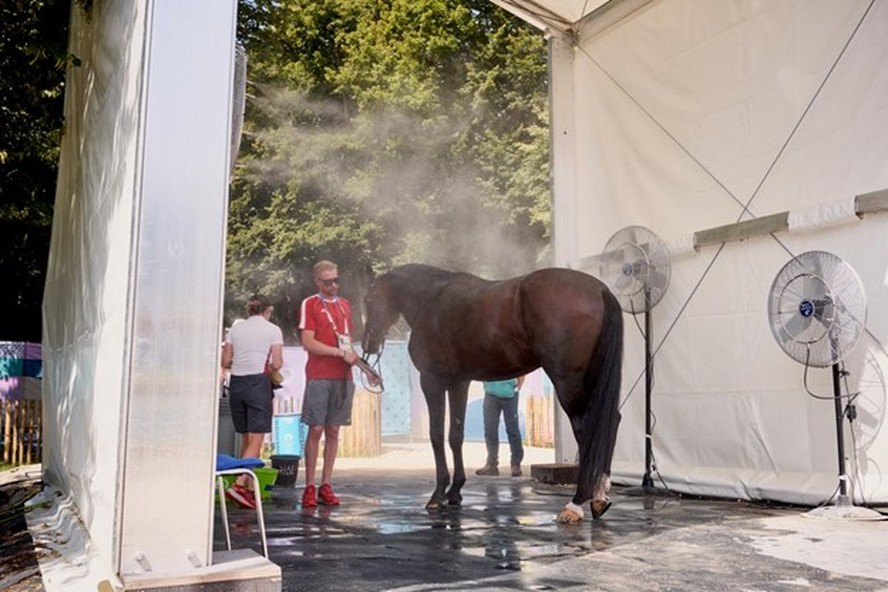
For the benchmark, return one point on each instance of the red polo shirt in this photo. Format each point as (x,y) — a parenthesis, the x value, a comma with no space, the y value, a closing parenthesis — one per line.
(313,317)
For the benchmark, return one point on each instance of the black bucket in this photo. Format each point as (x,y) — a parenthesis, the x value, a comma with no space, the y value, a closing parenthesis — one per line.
(287,467)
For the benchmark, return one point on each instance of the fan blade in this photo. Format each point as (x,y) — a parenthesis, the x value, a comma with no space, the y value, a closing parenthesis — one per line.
(796,325)
(657,278)
(625,284)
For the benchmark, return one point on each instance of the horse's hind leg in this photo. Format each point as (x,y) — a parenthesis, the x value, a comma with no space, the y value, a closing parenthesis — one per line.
(593,479)
(459,394)
(595,490)
(433,389)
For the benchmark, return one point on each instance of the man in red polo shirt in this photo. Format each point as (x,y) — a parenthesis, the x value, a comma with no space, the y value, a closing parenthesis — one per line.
(325,328)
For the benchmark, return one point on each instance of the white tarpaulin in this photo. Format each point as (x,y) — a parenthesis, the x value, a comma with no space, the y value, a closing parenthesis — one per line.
(133,299)
(687,115)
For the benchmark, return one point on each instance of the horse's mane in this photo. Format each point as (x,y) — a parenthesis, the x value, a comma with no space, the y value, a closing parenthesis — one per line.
(427,278)
(429,272)
(421,282)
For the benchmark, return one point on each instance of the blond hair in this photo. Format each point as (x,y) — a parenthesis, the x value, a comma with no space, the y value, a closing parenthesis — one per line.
(322,266)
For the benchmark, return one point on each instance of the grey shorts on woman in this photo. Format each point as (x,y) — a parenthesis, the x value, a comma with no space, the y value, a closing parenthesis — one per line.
(328,402)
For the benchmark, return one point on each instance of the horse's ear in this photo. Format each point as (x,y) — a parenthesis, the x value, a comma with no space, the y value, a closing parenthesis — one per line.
(368,274)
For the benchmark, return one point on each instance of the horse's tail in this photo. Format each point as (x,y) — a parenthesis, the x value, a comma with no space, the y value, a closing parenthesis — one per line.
(602,417)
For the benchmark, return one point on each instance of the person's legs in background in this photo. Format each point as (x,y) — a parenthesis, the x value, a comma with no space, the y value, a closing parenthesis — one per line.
(491,435)
(513,431)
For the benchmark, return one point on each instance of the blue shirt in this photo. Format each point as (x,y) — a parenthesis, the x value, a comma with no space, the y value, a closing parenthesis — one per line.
(504,389)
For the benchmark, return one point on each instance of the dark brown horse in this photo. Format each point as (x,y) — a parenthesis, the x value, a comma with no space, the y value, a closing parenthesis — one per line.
(464,328)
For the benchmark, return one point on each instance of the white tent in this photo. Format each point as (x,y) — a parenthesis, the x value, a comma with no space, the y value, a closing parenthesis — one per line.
(133,302)
(691,117)
(679,115)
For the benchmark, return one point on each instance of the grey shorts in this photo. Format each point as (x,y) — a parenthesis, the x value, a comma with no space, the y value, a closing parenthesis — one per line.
(328,402)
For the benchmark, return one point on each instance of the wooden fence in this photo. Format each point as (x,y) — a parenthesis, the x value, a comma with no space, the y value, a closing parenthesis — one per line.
(22,431)
(21,424)
(363,438)
(539,422)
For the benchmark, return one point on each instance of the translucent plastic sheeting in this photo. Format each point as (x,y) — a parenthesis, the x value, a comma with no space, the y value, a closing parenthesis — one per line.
(132,307)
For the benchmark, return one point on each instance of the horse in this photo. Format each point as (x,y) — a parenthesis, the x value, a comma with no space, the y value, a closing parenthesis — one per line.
(465,328)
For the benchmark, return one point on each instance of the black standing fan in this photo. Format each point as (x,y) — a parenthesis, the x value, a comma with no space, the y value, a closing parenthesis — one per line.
(817,313)
(635,266)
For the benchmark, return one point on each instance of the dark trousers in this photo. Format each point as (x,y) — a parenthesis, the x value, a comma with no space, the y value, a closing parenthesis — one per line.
(493,406)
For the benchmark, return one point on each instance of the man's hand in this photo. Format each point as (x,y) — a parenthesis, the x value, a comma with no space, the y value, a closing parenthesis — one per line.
(370,374)
(373,378)
(350,357)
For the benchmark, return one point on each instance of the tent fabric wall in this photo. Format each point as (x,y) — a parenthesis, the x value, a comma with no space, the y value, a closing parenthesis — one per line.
(133,301)
(690,115)
(85,299)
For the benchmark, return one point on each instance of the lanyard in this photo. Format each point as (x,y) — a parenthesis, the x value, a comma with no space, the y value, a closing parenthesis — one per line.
(330,317)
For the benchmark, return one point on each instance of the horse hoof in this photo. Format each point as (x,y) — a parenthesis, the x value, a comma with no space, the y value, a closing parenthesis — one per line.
(455,500)
(599,507)
(434,505)
(568,516)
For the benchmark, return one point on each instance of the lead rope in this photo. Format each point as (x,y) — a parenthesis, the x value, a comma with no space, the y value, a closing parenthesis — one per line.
(372,368)
(365,367)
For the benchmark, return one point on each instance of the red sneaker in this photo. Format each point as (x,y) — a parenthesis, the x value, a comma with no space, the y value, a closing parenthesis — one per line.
(326,495)
(309,497)
(241,495)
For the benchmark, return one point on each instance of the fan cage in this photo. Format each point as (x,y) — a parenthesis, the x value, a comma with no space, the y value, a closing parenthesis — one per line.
(817,308)
(635,265)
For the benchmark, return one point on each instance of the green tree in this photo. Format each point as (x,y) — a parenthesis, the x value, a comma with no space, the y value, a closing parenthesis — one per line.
(33,44)
(382,132)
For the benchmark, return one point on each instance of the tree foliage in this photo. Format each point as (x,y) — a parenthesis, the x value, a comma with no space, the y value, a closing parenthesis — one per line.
(386,131)
(33,44)
(377,132)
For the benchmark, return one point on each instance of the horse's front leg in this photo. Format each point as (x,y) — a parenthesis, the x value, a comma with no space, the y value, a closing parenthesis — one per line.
(458,395)
(433,389)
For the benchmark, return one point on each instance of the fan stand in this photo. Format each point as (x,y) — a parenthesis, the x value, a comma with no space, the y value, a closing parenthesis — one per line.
(647,481)
(636,263)
(844,507)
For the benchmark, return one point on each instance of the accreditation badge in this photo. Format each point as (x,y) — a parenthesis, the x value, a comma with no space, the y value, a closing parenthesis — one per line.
(344,342)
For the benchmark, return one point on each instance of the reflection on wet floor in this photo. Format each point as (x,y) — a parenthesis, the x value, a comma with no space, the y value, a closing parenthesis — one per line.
(381,537)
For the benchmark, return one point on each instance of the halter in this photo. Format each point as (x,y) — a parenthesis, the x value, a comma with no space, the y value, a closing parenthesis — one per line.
(364,361)
(374,367)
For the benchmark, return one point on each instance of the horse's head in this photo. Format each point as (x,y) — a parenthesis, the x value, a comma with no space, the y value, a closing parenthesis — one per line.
(382,312)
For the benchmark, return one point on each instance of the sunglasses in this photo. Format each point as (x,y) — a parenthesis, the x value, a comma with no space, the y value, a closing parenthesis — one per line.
(330,282)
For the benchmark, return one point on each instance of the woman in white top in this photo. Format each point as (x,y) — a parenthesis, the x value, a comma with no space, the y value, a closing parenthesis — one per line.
(249,346)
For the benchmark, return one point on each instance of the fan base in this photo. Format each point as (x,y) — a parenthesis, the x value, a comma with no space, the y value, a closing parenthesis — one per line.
(645,491)
(845,510)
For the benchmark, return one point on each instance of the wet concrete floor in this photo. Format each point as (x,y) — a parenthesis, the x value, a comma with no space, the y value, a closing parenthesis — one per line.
(504,537)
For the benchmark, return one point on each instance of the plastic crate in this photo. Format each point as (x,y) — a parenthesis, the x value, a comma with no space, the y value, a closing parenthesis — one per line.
(289,434)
